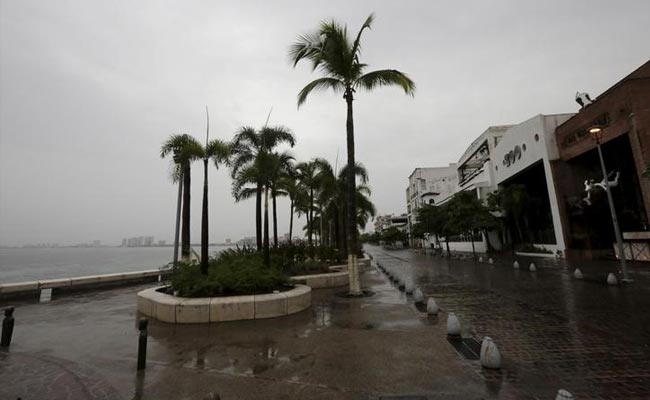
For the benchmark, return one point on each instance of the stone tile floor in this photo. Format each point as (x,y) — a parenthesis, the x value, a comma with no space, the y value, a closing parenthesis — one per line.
(553,331)
(84,347)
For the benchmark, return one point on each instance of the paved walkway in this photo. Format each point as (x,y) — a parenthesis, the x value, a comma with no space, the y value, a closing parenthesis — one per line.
(84,347)
(553,331)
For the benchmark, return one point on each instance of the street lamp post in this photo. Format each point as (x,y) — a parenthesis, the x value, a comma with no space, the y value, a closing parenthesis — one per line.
(596,133)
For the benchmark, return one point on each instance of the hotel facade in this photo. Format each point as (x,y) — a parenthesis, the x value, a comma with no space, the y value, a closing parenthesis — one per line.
(555,160)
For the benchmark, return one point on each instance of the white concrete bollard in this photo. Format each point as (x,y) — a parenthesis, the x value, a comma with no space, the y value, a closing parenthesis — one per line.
(564,395)
(453,325)
(577,274)
(432,307)
(490,261)
(532,267)
(490,356)
(480,259)
(515,264)
(611,279)
(418,297)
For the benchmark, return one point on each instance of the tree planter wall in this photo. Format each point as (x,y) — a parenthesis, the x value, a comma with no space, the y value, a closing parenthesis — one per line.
(184,310)
(321,281)
(339,276)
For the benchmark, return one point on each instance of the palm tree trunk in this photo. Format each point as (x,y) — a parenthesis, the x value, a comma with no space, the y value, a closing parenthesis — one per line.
(267,254)
(290,221)
(185,229)
(258,217)
(177,231)
(310,228)
(337,230)
(344,235)
(275,222)
(330,236)
(355,287)
(204,221)
(320,236)
(472,239)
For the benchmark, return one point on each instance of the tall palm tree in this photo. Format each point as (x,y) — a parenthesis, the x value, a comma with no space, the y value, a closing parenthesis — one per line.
(307,174)
(279,185)
(327,197)
(217,151)
(287,184)
(246,147)
(361,173)
(271,164)
(331,50)
(184,149)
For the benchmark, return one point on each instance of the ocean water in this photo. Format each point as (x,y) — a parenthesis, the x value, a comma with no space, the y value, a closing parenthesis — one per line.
(29,264)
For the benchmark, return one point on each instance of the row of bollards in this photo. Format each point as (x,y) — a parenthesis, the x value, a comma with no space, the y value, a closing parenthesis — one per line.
(489,261)
(532,267)
(490,357)
(7,327)
(611,279)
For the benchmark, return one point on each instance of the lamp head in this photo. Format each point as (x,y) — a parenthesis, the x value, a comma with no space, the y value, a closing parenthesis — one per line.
(596,133)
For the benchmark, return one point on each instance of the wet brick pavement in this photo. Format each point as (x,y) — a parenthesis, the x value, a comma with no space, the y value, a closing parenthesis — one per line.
(553,331)
(83,347)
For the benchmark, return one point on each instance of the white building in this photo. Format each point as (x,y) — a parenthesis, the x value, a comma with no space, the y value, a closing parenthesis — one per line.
(476,165)
(383,222)
(524,156)
(476,173)
(428,186)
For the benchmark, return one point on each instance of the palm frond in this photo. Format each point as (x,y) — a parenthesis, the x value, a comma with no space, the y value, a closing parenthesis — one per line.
(386,77)
(272,136)
(319,85)
(359,170)
(218,151)
(356,47)
(308,46)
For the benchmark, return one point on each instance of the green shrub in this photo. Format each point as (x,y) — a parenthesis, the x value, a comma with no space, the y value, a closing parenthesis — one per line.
(236,272)
(298,258)
(308,267)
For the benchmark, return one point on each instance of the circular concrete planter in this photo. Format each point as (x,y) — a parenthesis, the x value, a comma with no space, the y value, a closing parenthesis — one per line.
(338,277)
(321,281)
(185,310)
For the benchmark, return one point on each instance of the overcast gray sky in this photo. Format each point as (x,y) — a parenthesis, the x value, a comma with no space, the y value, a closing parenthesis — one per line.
(90,89)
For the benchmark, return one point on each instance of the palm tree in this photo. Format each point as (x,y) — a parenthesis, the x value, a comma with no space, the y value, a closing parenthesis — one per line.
(327,198)
(279,185)
(288,185)
(183,149)
(307,175)
(246,147)
(331,50)
(217,151)
(271,165)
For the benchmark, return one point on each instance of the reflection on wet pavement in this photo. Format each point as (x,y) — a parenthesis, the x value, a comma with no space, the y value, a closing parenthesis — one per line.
(340,348)
(553,331)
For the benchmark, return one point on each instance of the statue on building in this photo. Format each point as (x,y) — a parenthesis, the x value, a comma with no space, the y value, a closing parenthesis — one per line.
(583,99)
(591,185)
